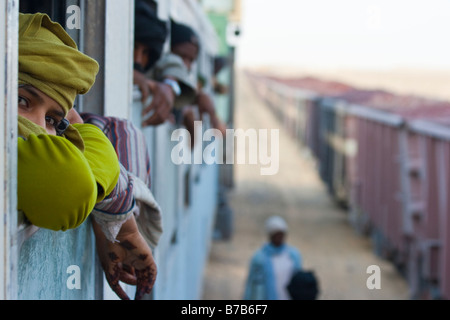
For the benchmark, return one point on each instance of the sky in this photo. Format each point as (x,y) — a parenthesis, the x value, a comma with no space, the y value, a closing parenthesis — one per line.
(358,34)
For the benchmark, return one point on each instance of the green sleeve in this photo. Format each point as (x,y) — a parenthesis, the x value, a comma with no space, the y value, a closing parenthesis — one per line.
(102,158)
(56,187)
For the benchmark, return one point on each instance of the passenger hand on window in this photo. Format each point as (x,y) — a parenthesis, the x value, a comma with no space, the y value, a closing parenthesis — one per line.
(162,100)
(129,260)
(206,105)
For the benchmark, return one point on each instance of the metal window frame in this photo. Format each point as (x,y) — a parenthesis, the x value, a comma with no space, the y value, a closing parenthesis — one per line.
(8,146)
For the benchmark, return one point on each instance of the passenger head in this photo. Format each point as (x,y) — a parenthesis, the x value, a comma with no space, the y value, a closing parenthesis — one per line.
(40,109)
(276,229)
(184,42)
(52,71)
(150,33)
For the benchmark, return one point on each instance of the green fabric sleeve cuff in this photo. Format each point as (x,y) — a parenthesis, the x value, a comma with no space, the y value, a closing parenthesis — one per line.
(56,187)
(102,158)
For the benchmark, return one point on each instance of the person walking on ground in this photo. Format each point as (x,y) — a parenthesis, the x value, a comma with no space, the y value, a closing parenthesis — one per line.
(273,265)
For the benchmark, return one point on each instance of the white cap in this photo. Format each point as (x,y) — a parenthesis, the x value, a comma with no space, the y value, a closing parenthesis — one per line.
(274,224)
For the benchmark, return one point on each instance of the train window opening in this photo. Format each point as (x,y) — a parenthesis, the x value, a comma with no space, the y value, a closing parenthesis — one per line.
(59,11)
(55,9)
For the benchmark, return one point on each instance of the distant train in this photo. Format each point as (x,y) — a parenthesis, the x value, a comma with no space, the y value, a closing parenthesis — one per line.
(36,263)
(386,159)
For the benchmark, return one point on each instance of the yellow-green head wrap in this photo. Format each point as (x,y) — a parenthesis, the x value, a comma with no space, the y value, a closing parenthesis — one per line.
(50,61)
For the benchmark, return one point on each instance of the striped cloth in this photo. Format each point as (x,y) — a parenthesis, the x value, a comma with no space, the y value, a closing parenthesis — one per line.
(128,141)
(132,194)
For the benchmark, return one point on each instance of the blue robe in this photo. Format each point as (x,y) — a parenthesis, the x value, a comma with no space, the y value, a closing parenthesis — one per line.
(260,284)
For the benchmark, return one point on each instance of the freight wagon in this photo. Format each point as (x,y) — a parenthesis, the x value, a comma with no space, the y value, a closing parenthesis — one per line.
(384,157)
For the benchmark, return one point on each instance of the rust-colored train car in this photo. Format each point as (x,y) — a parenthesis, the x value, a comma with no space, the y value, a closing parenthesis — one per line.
(385,157)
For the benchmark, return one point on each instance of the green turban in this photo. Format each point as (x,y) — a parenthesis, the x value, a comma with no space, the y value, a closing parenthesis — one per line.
(50,61)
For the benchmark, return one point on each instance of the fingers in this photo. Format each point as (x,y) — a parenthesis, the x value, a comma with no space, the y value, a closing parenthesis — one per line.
(161,105)
(128,279)
(145,281)
(113,281)
(148,114)
(145,93)
(141,81)
(161,112)
(128,275)
(137,263)
(146,276)
(153,120)
(152,113)
(114,273)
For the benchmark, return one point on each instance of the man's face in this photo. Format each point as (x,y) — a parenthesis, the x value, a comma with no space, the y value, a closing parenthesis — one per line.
(187,51)
(39,108)
(277,238)
(141,55)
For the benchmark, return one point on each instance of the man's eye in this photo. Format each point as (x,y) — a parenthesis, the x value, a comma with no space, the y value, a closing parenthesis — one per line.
(51,121)
(22,101)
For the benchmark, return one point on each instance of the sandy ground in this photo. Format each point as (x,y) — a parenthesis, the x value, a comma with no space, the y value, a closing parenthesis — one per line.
(328,243)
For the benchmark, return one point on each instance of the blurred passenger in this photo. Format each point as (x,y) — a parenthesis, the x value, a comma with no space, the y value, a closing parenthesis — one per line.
(220,62)
(150,36)
(160,75)
(186,44)
(75,164)
(273,265)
